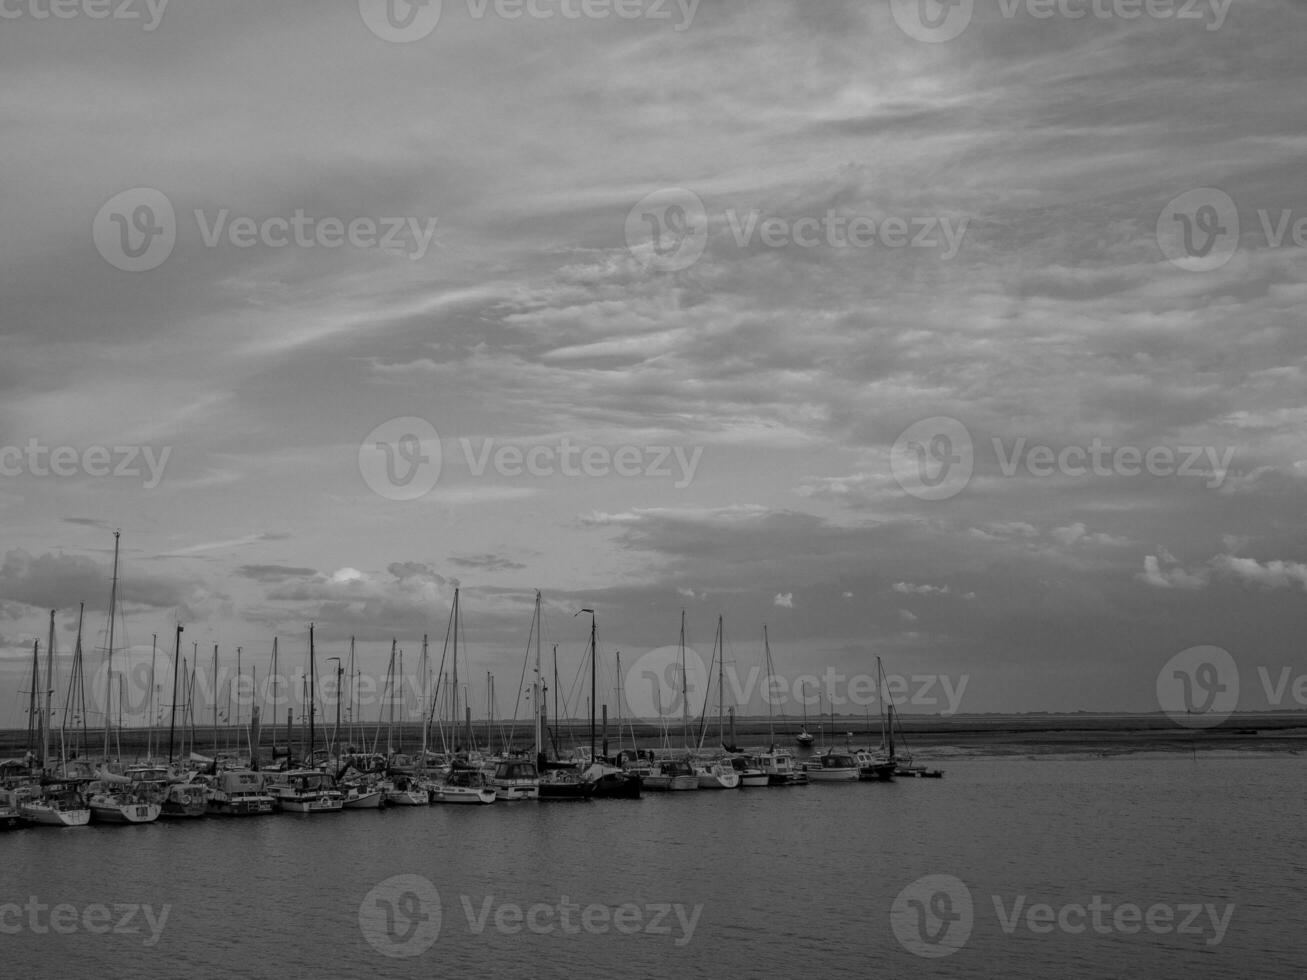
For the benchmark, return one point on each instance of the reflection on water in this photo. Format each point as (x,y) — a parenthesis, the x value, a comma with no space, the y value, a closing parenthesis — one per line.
(765,882)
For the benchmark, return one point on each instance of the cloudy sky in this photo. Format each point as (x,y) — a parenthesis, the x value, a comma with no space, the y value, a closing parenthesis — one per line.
(726,274)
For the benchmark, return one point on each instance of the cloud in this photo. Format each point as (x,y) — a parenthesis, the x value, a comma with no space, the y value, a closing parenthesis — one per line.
(487,563)
(908,588)
(1272,574)
(1171,578)
(784,599)
(274,573)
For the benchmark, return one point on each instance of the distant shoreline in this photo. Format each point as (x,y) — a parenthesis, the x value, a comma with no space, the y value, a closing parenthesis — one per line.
(1033,736)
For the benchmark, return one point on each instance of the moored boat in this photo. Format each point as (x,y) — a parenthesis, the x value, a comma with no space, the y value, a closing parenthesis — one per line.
(305,791)
(464,785)
(750,771)
(781,769)
(716,774)
(54,804)
(239,793)
(832,766)
(516,779)
(671,775)
(114,799)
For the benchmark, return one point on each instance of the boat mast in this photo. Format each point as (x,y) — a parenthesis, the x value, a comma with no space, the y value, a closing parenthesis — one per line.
(594,655)
(456,718)
(215,702)
(352,688)
(149,738)
(771,733)
(685,702)
(49,691)
(313,693)
(108,674)
(721,663)
(33,709)
(426,672)
(176,668)
(537,697)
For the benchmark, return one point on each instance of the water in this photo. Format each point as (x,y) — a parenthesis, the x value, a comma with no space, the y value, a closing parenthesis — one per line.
(790,882)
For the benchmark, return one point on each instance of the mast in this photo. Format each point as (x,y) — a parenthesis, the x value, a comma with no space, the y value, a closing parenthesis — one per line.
(685,702)
(33,732)
(721,663)
(276,704)
(771,734)
(76,694)
(46,716)
(594,656)
(108,674)
(426,671)
(537,698)
(313,693)
(215,702)
(454,708)
(149,738)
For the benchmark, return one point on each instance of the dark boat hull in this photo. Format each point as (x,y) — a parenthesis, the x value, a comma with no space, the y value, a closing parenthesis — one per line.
(616,786)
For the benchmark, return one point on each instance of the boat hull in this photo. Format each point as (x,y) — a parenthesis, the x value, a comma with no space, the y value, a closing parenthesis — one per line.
(618,786)
(373,800)
(571,790)
(408,797)
(463,795)
(125,813)
(517,792)
(841,775)
(45,816)
(714,780)
(670,784)
(247,807)
(321,804)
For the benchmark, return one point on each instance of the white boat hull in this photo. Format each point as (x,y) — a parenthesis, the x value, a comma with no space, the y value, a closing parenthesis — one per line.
(314,805)
(519,791)
(372,800)
(46,816)
(408,797)
(463,794)
(719,780)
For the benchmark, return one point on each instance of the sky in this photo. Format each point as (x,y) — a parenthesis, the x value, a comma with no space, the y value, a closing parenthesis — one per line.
(977,348)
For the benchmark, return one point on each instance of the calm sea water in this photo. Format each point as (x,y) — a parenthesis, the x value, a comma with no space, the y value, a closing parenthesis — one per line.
(752,883)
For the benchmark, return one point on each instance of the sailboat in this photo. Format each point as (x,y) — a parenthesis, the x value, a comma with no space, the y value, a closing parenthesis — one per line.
(465,783)
(902,763)
(48,802)
(778,764)
(556,783)
(307,790)
(401,788)
(672,775)
(832,765)
(717,772)
(113,798)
